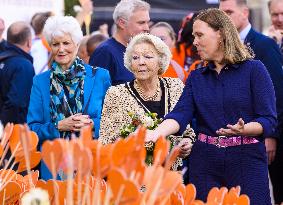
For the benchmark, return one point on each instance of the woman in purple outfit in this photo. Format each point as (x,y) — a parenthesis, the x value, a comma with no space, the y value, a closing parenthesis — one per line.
(233,101)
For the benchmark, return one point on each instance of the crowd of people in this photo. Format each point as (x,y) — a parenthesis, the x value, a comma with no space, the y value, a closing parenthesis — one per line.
(217,86)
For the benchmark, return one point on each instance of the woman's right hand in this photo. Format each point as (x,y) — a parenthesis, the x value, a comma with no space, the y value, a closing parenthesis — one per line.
(166,128)
(74,122)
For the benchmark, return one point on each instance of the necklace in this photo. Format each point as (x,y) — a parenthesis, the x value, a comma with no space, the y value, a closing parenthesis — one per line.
(146,97)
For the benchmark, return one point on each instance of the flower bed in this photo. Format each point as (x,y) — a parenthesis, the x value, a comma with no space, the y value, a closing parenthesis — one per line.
(85,164)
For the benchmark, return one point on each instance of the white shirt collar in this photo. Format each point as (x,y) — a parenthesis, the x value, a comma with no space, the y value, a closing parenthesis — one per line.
(244,32)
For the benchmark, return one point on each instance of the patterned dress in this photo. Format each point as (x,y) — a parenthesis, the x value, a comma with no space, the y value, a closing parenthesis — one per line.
(122,99)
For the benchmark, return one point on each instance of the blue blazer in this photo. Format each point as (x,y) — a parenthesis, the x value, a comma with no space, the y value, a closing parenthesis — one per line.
(96,83)
(267,51)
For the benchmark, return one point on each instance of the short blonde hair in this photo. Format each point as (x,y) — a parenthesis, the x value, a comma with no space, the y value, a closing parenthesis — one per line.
(162,49)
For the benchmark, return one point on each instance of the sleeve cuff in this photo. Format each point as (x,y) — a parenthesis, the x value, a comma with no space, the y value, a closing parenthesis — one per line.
(275,135)
(179,118)
(268,128)
(55,131)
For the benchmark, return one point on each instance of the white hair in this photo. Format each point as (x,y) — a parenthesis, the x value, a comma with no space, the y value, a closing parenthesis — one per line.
(161,48)
(125,8)
(61,25)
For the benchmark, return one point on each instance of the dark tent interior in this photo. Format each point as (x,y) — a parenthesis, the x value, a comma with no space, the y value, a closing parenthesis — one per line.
(171,11)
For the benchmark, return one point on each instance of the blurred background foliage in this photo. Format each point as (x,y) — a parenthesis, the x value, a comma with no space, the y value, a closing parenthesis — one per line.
(69,5)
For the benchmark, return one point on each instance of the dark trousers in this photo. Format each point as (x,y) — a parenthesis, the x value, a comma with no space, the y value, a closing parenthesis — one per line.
(244,165)
(276,175)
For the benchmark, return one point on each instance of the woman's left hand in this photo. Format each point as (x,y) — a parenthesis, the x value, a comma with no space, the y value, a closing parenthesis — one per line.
(185,148)
(237,129)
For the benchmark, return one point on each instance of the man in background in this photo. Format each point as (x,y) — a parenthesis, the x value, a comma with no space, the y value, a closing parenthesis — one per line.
(16,73)
(275,31)
(40,48)
(131,17)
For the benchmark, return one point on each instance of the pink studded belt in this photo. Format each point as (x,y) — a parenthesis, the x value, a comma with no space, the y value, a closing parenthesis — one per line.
(223,141)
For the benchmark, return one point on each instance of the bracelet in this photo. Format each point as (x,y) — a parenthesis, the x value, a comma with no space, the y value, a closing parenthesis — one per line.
(149,145)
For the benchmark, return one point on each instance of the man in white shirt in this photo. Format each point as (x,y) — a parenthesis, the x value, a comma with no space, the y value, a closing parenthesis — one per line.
(39,50)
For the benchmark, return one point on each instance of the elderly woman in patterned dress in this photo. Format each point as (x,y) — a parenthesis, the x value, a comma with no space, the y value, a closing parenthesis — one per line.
(147,57)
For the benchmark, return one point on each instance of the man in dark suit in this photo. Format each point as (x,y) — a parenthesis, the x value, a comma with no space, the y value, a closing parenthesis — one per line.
(275,31)
(267,51)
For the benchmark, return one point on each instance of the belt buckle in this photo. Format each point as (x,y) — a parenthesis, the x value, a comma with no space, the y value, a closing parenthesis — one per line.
(218,141)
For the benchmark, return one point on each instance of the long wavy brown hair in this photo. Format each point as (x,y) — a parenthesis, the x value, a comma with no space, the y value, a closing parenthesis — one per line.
(234,50)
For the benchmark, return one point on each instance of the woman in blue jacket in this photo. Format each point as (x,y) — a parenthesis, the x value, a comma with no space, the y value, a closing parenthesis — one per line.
(70,94)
